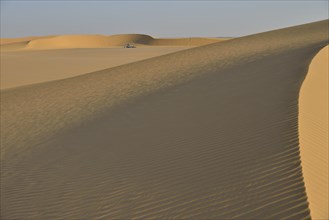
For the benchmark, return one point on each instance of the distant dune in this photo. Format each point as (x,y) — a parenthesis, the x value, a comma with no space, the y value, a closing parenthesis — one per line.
(204,133)
(99,41)
(185,41)
(38,66)
(70,41)
(17,46)
(4,41)
(40,60)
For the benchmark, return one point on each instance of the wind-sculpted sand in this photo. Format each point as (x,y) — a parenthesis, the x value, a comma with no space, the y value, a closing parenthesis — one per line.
(205,133)
(58,57)
(46,65)
(313,135)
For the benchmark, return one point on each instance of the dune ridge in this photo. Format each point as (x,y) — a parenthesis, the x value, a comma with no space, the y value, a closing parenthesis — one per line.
(41,66)
(313,134)
(16,46)
(4,41)
(209,132)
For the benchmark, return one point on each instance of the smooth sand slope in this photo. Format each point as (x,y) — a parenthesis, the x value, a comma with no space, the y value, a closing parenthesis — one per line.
(58,57)
(205,133)
(27,67)
(313,127)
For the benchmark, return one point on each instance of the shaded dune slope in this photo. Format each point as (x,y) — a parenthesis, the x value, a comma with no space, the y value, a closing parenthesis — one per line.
(14,46)
(4,41)
(102,41)
(210,132)
(313,130)
(197,41)
(41,66)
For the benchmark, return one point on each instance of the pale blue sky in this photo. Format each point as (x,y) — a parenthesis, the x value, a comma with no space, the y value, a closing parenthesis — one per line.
(156,18)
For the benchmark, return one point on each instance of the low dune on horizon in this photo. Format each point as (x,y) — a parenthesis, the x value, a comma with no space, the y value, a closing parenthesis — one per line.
(57,57)
(98,41)
(189,128)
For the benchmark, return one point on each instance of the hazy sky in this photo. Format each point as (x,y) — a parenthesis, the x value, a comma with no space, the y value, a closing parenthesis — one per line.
(156,18)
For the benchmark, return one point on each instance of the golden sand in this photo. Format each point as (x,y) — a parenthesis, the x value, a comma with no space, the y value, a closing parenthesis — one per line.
(313,134)
(46,65)
(204,133)
(98,41)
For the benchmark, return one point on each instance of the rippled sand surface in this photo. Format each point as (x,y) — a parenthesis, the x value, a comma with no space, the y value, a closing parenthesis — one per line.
(205,133)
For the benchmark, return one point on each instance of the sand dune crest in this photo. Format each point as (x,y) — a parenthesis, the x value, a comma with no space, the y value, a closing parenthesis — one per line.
(313,134)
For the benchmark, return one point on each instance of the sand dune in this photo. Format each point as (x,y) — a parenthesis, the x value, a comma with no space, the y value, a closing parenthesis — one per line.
(17,46)
(70,41)
(185,41)
(100,41)
(40,66)
(4,41)
(313,127)
(205,133)
(122,39)
(41,61)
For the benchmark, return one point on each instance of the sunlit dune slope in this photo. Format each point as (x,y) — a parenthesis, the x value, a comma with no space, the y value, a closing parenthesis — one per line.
(70,41)
(313,127)
(205,133)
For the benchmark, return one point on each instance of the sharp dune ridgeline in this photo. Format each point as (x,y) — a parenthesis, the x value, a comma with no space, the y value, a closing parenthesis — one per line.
(210,132)
(313,134)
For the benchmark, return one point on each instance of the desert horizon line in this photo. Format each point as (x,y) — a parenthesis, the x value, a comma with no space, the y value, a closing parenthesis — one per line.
(132,33)
(153,35)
